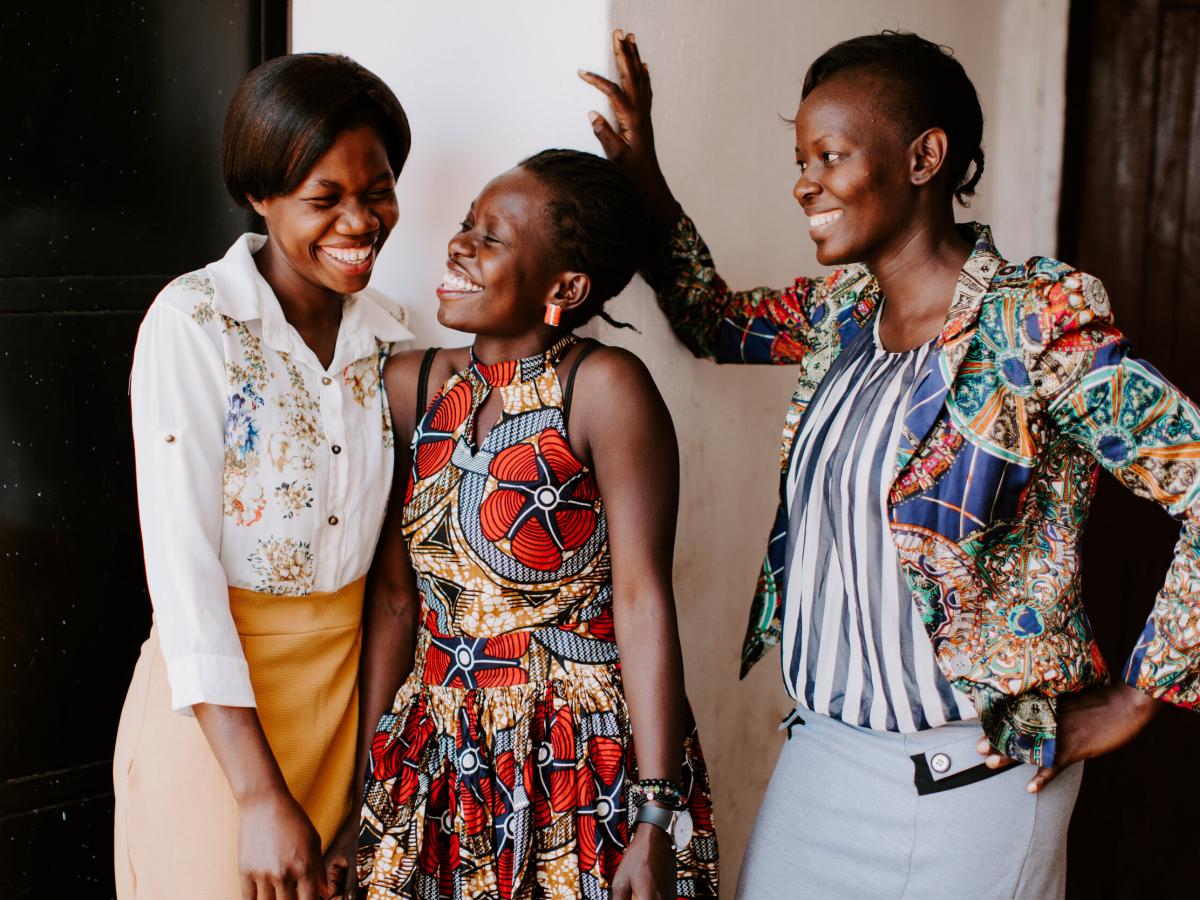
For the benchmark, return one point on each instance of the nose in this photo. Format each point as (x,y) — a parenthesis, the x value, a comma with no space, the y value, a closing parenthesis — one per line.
(460,245)
(357,218)
(805,189)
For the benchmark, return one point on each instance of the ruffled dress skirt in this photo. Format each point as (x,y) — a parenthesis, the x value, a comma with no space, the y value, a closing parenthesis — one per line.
(518,791)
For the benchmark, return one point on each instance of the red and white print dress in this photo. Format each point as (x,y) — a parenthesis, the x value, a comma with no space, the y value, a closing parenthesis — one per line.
(504,766)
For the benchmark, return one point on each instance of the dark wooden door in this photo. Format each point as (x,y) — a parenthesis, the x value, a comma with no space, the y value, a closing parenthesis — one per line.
(110,185)
(1131,215)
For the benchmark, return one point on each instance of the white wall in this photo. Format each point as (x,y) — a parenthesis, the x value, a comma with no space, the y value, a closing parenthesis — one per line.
(484,85)
(487,83)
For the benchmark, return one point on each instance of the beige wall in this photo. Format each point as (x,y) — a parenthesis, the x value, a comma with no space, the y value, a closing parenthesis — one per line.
(723,75)
(487,83)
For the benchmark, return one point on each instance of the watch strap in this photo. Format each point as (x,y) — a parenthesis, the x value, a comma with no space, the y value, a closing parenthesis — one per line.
(658,817)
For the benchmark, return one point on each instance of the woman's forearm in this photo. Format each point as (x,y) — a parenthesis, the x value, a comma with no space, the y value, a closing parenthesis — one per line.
(240,745)
(652,673)
(389,642)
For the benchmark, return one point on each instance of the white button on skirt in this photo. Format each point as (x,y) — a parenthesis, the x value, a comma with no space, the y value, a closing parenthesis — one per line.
(842,818)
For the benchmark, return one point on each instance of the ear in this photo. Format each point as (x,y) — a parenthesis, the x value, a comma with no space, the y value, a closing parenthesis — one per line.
(927,155)
(570,290)
(257,205)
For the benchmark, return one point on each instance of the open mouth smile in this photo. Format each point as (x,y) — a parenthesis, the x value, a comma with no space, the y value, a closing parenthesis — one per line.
(821,221)
(351,260)
(455,284)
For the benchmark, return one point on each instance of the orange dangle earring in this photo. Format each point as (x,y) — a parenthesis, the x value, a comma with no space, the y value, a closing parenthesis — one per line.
(553,315)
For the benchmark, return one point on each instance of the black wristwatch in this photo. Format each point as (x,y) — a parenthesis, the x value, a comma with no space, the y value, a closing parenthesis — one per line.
(677,823)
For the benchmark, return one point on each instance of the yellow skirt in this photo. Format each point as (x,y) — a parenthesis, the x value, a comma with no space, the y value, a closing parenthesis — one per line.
(176,828)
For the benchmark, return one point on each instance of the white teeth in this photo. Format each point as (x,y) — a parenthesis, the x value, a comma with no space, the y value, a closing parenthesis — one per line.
(452,281)
(351,255)
(824,218)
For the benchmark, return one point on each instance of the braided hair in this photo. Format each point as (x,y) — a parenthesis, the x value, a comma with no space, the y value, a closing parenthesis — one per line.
(925,87)
(598,222)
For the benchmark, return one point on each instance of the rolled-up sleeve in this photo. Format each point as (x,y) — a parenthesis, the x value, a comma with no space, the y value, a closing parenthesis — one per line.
(178,403)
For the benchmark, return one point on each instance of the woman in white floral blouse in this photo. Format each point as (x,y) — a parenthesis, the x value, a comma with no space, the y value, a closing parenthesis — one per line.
(263,443)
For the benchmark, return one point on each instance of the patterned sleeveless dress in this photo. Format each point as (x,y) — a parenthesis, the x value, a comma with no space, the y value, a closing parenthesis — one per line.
(504,766)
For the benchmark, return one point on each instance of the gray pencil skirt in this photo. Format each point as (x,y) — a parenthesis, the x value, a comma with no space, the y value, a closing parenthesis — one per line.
(857,813)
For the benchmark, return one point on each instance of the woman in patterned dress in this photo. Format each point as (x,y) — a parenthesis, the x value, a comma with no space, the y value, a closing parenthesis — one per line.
(939,457)
(527,640)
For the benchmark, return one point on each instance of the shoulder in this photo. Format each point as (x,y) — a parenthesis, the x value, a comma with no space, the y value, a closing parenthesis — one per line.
(613,368)
(402,375)
(614,391)
(404,368)
(189,294)
(1052,299)
(183,312)
(401,370)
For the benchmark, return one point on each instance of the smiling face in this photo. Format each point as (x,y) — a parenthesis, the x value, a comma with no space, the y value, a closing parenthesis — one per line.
(502,267)
(854,184)
(326,234)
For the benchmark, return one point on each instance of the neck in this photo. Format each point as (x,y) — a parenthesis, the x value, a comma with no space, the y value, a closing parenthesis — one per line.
(490,348)
(917,271)
(313,311)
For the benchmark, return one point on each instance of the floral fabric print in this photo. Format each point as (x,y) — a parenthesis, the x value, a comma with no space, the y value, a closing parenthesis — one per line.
(504,767)
(284,566)
(1032,389)
(257,467)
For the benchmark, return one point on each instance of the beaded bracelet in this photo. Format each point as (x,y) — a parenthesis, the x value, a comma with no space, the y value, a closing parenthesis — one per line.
(662,790)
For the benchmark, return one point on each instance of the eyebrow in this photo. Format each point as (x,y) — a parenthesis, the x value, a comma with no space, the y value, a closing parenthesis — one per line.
(336,186)
(820,138)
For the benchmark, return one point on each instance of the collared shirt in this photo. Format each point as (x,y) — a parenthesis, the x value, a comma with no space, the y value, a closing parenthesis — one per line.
(257,467)
(854,645)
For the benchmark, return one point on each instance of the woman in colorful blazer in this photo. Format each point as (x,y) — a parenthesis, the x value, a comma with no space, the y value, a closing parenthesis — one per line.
(989,428)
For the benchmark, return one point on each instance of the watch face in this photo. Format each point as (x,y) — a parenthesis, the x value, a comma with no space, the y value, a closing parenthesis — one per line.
(682,832)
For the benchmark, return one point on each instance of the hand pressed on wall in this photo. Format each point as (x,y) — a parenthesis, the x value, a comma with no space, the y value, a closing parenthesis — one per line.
(1091,723)
(631,143)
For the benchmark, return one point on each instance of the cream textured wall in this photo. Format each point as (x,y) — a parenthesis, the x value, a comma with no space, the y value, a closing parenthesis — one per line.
(487,83)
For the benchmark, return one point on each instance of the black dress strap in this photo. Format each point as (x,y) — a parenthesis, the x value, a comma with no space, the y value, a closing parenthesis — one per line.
(588,346)
(423,382)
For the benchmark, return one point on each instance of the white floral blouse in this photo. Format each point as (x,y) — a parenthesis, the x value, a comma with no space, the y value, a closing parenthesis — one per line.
(256,467)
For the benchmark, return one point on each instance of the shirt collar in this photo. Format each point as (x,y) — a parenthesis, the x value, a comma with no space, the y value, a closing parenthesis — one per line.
(241,293)
(973,281)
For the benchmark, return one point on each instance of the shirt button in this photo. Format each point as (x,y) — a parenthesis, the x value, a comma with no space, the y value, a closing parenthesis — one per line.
(333,520)
(170,438)
(327,380)
(940,763)
(960,664)
(336,448)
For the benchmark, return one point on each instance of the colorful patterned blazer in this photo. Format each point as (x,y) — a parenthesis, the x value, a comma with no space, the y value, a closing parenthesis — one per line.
(1028,391)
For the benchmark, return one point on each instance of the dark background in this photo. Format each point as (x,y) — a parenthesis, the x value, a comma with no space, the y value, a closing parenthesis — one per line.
(1130,214)
(110,186)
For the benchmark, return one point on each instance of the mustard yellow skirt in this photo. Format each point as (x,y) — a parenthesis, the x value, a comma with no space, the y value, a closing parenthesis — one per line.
(176,828)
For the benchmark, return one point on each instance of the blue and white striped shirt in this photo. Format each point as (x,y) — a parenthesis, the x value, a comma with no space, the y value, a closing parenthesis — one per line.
(854,646)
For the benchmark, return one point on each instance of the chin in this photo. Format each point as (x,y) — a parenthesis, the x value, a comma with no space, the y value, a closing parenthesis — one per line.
(830,254)
(353,285)
(447,319)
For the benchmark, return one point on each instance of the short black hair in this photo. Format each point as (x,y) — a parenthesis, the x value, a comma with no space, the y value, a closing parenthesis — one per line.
(928,89)
(289,111)
(598,222)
